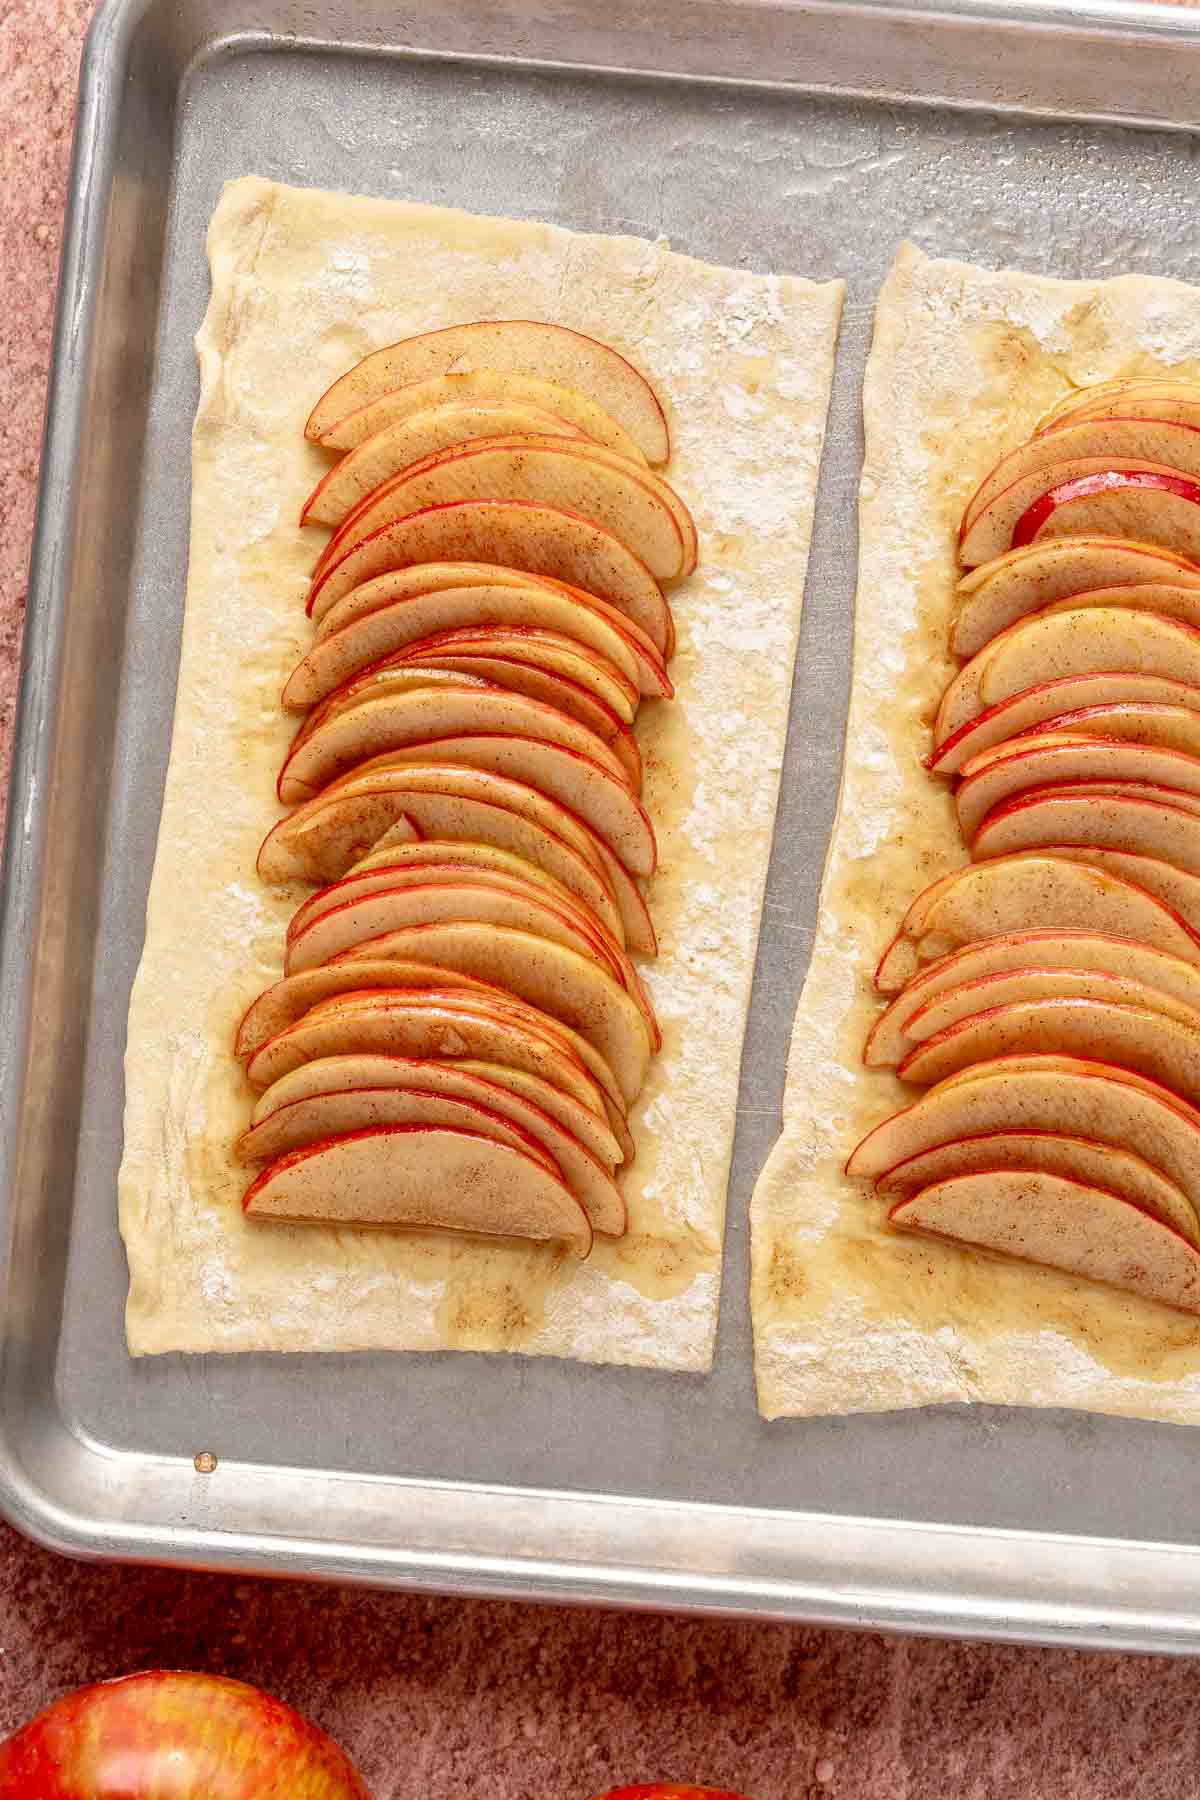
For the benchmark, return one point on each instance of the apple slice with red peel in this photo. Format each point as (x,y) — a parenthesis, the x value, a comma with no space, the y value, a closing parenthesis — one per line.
(1141,823)
(389,629)
(1154,504)
(1077,952)
(1163,443)
(587,1074)
(287,1000)
(358,918)
(324,1116)
(580,784)
(476,648)
(320,840)
(421,1023)
(1018,986)
(1157,725)
(1017,894)
(479,858)
(482,387)
(1149,404)
(1060,1224)
(541,540)
(548,473)
(527,445)
(1120,393)
(1005,522)
(439,866)
(1037,709)
(999,593)
(534,1103)
(397,446)
(527,1087)
(554,605)
(1053,645)
(1048,760)
(416,1177)
(1170,602)
(555,979)
(1052,1153)
(352,735)
(1176,888)
(1132,1037)
(1077,1098)
(507,346)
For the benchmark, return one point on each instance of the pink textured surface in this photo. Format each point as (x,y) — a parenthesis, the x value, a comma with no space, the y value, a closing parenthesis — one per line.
(442,1699)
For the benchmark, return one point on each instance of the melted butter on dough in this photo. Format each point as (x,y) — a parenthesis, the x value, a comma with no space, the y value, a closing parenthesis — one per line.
(304,283)
(848,1315)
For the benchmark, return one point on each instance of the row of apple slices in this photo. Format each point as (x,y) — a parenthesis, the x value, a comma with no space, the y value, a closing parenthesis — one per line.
(1074,734)
(459,1030)
(1120,459)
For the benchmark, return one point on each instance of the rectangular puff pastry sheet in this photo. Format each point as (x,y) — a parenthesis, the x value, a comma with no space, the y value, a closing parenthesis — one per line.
(849,1316)
(303,284)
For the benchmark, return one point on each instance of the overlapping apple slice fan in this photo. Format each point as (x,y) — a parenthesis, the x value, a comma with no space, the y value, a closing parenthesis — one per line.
(460,1030)
(1049,992)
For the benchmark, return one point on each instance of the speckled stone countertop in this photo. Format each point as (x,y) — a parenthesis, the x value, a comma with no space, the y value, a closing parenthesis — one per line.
(443,1699)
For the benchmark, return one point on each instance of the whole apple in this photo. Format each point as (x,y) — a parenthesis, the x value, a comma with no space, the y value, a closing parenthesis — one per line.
(669,1790)
(171,1736)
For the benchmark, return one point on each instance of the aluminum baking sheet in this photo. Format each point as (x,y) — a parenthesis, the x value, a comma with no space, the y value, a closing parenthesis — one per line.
(806,139)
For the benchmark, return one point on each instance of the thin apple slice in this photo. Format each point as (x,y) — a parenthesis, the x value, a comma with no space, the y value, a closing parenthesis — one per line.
(1005,522)
(1118,392)
(399,445)
(1168,600)
(518,534)
(481,1106)
(323,1116)
(1132,1037)
(1179,406)
(1139,823)
(1017,894)
(285,1001)
(1052,1153)
(395,626)
(635,471)
(483,387)
(579,783)
(515,1093)
(1176,888)
(995,595)
(1119,441)
(555,605)
(1049,759)
(359,917)
(436,863)
(1135,501)
(1079,1099)
(552,652)
(1160,725)
(549,976)
(1053,645)
(507,346)
(354,735)
(585,1072)
(1033,709)
(1078,952)
(322,839)
(422,1023)
(1018,986)
(1060,1224)
(416,1177)
(545,474)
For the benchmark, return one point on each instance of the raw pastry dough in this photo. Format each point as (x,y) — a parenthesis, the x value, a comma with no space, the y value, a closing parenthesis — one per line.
(848,1316)
(304,283)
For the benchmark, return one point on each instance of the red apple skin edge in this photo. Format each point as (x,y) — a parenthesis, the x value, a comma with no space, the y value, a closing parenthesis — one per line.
(192,1737)
(669,1790)
(1084,486)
